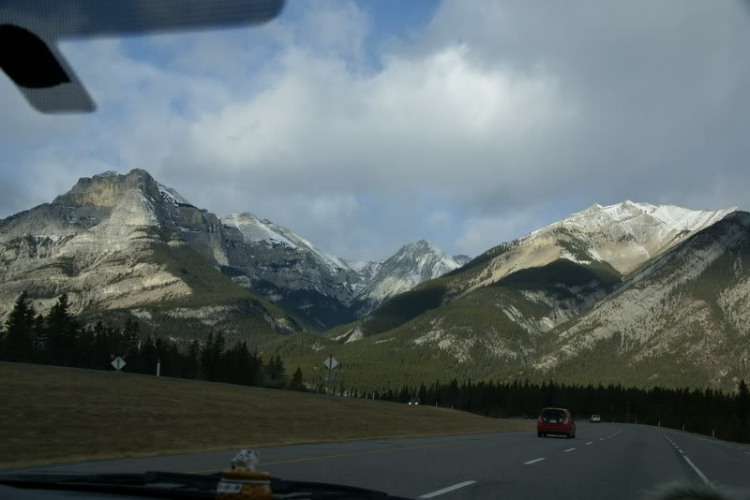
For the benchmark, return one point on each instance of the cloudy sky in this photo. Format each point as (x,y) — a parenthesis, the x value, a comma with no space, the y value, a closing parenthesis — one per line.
(365,125)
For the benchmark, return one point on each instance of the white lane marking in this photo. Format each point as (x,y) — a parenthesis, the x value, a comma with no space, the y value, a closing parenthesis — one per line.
(697,470)
(590,442)
(447,490)
(601,439)
(569,450)
(747,453)
(534,461)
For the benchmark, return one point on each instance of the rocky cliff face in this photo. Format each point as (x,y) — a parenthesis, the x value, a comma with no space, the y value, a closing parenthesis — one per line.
(97,243)
(115,242)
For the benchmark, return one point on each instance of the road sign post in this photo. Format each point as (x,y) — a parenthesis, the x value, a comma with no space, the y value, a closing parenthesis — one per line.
(158,367)
(331,364)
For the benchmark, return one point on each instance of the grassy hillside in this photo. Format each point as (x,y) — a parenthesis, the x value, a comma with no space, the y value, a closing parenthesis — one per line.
(54,414)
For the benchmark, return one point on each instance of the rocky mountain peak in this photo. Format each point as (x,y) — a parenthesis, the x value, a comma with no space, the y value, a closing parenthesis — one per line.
(108,188)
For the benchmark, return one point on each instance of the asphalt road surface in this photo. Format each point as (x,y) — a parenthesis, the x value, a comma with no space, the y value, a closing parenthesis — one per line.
(604,461)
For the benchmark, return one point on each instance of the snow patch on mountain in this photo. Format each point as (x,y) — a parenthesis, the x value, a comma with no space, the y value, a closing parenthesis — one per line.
(254,230)
(171,196)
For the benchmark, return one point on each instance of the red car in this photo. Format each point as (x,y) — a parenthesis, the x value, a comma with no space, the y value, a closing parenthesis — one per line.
(556,421)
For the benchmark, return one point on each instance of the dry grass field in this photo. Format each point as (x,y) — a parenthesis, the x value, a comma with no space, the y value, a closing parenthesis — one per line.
(51,415)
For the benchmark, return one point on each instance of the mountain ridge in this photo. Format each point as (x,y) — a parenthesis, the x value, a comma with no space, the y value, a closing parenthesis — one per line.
(115,210)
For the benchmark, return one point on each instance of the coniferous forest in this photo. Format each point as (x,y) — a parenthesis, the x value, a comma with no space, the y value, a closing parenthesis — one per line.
(59,339)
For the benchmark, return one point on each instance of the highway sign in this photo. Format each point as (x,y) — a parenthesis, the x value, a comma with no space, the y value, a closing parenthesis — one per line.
(118,363)
(331,363)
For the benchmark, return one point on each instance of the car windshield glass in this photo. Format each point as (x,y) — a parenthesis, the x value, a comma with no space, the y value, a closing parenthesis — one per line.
(402,245)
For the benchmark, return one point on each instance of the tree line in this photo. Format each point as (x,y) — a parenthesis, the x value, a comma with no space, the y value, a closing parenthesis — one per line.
(708,411)
(59,339)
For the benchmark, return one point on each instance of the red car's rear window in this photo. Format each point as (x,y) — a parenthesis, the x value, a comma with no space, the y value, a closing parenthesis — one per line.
(553,416)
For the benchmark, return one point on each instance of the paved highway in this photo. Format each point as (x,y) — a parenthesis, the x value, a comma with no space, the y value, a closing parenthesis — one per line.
(604,461)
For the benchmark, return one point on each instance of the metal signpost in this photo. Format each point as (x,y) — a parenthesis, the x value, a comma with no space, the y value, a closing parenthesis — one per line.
(331,364)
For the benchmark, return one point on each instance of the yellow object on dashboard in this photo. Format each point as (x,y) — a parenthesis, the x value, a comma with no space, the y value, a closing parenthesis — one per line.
(246,485)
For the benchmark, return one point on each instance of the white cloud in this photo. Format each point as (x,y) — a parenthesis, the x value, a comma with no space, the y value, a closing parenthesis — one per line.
(489,112)
(439,220)
(483,233)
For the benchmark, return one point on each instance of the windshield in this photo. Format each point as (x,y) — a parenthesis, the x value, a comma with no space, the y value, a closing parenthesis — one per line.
(405,246)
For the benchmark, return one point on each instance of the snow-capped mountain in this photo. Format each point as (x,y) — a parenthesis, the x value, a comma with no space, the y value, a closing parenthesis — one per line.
(256,230)
(118,218)
(670,308)
(689,308)
(625,236)
(124,242)
(410,266)
(538,282)
(324,289)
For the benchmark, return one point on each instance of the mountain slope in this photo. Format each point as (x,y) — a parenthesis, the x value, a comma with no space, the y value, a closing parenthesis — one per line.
(97,241)
(684,318)
(616,238)
(583,312)
(625,236)
(118,242)
(323,290)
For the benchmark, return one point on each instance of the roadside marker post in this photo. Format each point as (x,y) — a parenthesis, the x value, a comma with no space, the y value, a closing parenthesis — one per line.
(331,364)
(158,367)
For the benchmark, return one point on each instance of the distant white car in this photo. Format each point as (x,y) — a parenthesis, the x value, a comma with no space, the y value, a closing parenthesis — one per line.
(595,419)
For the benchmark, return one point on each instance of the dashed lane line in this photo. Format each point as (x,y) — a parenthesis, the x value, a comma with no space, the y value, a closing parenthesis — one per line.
(690,462)
(569,450)
(447,490)
(534,461)
(697,470)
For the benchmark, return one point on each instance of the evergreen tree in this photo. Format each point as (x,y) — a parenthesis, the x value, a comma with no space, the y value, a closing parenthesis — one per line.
(275,373)
(256,367)
(103,348)
(296,383)
(217,355)
(192,360)
(40,339)
(147,357)
(743,412)
(18,337)
(206,364)
(63,334)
